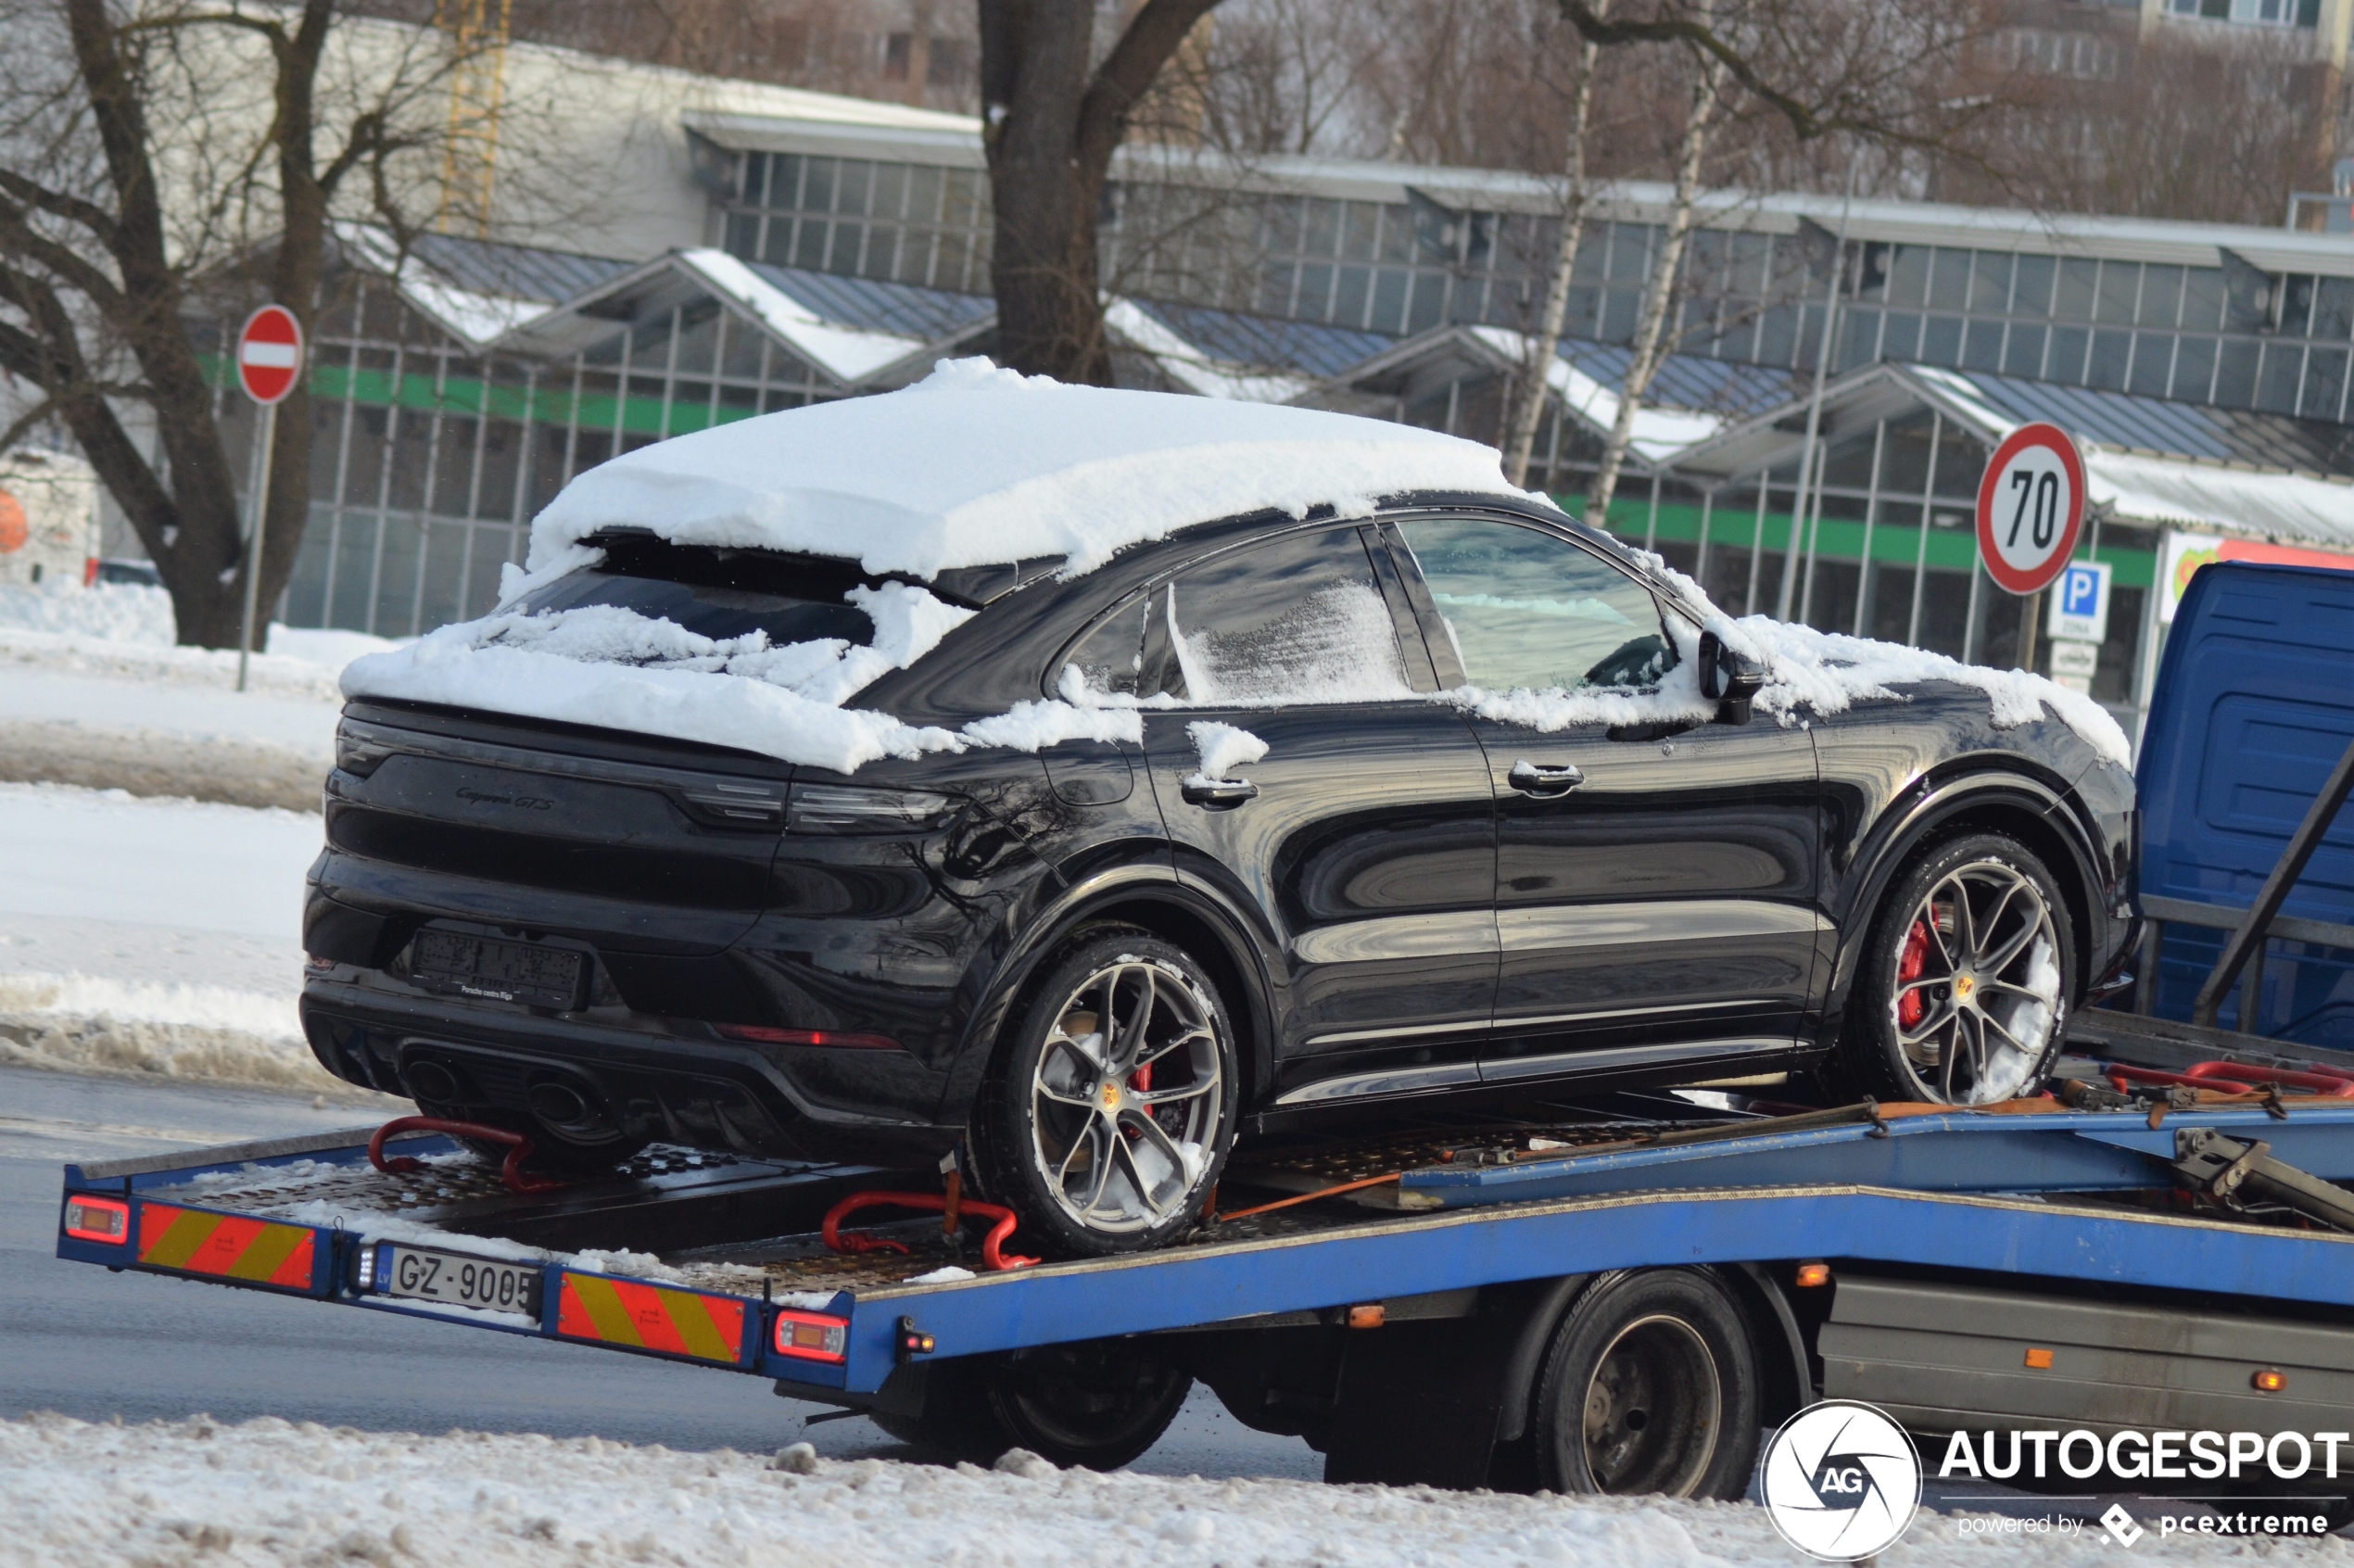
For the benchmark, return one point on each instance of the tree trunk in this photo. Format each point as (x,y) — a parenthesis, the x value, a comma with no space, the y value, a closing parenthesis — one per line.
(1659,293)
(1050,126)
(1528,397)
(1033,68)
(188,515)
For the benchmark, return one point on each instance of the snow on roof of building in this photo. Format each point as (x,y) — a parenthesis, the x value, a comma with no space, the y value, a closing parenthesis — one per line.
(978,466)
(1659,434)
(476,290)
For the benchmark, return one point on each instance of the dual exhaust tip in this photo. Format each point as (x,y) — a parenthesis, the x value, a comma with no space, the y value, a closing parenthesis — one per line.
(559,1101)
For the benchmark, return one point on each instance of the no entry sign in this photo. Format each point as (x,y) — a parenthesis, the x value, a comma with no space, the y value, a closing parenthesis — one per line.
(269,354)
(2031,508)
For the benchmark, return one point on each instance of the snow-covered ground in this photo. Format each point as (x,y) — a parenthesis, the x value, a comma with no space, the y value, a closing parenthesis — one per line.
(93,692)
(153,935)
(270,1492)
(141,929)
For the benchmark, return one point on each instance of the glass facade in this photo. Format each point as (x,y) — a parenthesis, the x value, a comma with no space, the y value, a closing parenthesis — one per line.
(430,457)
(900,222)
(2234,337)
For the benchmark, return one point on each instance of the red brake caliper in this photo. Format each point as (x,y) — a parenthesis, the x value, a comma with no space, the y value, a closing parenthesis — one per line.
(1909,965)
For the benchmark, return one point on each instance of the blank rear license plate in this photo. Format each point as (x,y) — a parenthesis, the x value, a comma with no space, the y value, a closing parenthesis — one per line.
(424,1275)
(499,971)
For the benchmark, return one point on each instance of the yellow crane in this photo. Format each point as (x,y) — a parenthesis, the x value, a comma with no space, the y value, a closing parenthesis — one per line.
(477,32)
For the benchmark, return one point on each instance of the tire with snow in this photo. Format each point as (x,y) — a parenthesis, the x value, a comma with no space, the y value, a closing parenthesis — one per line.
(1098,1404)
(1962,988)
(1109,1107)
(1649,1386)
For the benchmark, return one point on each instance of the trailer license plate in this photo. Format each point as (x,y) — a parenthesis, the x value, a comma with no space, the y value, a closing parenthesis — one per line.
(459,1281)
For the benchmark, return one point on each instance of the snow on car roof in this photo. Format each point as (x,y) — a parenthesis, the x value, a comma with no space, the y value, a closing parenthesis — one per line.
(978,466)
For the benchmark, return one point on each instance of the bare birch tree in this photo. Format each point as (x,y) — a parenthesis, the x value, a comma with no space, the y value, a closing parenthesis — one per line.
(1651,339)
(1538,351)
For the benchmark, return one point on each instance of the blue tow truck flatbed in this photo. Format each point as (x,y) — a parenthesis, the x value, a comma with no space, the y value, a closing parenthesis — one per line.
(2027,1199)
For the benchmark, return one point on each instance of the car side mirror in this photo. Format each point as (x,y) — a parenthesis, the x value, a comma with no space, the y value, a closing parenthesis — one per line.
(1728,678)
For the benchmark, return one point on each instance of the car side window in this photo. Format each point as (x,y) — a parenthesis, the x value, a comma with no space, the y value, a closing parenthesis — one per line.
(1298,619)
(1527,609)
(1110,659)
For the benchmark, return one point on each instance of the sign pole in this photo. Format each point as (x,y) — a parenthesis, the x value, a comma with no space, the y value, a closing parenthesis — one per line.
(2028,608)
(253,536)
(269,364)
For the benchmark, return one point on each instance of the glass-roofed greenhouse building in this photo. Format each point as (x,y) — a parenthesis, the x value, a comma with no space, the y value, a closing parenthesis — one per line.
(2203,369)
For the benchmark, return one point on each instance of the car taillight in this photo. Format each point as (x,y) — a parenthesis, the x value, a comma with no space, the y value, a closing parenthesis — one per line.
(98,1219)
(812,1337)
(761,1035)
(842,808)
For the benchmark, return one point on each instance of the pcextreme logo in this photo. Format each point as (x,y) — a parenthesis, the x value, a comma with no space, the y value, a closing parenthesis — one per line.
(1841,1481)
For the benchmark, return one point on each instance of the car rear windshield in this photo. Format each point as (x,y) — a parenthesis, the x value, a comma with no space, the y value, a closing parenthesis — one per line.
(717,593)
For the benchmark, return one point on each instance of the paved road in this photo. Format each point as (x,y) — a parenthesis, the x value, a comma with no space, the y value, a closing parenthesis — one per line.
(94,1345)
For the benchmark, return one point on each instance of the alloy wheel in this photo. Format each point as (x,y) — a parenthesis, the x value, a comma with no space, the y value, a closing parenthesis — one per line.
(1977,985)
(1126,1096)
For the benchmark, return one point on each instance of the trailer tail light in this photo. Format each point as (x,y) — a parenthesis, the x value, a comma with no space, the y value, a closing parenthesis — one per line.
(812,1336)
(1812,1274)
(98,1219)
(2039,1359)
(761,1035)
(2269,1381)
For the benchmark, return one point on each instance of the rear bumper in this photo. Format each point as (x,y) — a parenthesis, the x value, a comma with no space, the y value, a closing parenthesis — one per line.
(632,1083)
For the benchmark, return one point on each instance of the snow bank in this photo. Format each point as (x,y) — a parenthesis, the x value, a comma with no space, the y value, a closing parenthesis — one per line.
(134,614)
(277,675)
(977,466)
(271,1492)
(84,1024)
(153,937)
(130,612)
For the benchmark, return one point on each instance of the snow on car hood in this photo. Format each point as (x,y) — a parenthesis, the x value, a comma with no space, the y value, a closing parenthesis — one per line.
(978,466)
(1825,672)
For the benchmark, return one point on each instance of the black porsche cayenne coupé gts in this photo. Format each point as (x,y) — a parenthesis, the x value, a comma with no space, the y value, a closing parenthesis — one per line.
(1445,796)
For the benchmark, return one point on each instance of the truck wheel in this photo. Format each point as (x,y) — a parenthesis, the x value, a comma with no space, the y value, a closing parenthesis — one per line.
(1099,1404)
(1964,980)
(1649,1386)
(1110,1107)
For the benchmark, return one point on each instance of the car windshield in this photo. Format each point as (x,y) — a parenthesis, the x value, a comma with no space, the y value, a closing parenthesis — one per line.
(717,593)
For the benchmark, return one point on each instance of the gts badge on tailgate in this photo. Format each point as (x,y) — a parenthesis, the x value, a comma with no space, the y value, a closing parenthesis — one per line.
(534,974)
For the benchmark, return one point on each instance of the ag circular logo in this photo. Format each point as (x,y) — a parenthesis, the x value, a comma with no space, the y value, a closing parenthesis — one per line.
(1841,1481)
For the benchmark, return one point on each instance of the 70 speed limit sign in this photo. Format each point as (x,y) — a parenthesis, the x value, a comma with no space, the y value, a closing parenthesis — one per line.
(2031,508)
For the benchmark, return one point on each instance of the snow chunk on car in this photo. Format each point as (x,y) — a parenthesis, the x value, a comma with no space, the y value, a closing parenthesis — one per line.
(977,466)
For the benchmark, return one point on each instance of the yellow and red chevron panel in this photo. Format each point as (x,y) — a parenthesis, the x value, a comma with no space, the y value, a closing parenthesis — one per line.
(648,1316)
(226,1246)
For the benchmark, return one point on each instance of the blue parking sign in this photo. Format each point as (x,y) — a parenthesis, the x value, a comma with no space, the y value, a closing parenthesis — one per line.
(2080,603)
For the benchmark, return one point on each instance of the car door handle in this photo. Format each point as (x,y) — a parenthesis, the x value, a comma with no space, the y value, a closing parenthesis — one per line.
(1535,779)
(1217,795)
